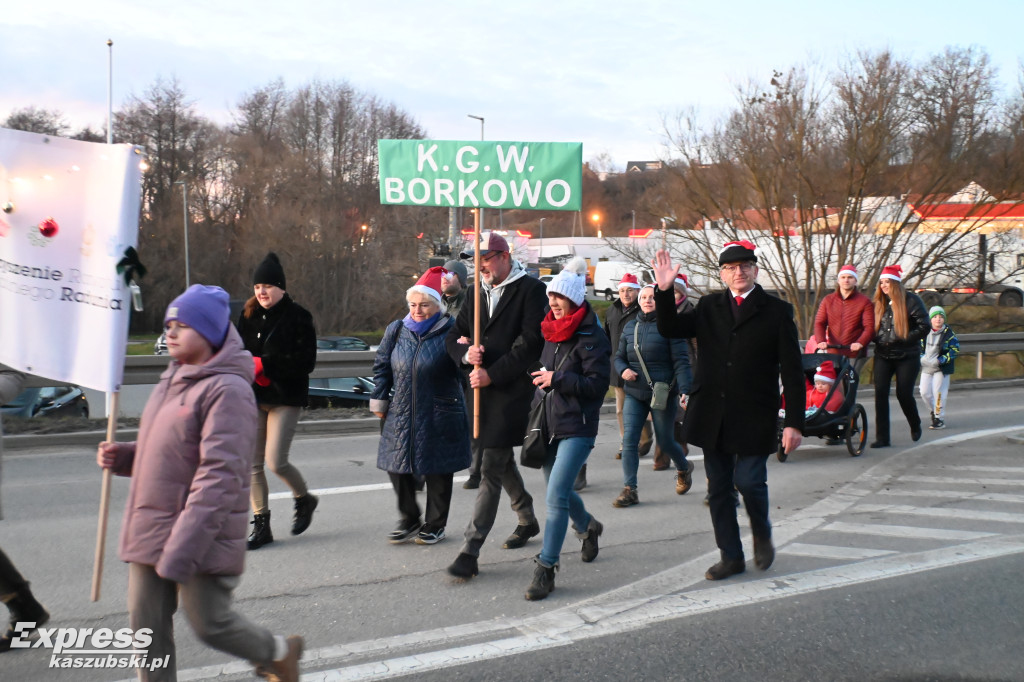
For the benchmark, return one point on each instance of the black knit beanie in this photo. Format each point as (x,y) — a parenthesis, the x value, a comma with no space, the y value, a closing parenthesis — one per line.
(269,272)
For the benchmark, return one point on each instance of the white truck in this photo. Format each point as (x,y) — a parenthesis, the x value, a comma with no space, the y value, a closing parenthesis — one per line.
(608,274)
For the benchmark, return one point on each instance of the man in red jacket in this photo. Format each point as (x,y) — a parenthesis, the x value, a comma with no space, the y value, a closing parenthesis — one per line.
(846,318)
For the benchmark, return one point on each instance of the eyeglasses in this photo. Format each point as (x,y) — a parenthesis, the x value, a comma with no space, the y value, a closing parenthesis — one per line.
(488,257)
(743,267)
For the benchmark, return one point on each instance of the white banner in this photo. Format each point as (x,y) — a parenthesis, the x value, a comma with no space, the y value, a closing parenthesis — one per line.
(69,211)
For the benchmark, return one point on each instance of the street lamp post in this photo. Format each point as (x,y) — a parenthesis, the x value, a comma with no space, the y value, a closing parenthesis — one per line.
(596,217)
(540,251)
(110,91)
(184,218)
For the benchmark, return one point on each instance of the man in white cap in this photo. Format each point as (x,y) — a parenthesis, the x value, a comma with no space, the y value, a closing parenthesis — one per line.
(747,338)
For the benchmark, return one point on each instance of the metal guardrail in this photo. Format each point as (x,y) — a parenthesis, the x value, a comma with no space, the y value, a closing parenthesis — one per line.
(140,370)
(146,369)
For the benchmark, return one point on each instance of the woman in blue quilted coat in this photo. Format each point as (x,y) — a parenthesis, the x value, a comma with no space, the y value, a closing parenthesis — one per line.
(418,395)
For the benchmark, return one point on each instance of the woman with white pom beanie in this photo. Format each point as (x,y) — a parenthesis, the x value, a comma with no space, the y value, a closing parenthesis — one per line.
(576,362)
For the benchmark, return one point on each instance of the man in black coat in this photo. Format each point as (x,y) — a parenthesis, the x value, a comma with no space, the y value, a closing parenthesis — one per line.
(512,305)
(746,339)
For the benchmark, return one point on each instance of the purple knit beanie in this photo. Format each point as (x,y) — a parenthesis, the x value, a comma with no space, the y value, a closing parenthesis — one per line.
(205,309)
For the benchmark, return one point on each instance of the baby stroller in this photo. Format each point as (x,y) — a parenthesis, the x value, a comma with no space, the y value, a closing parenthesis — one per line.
(849,422)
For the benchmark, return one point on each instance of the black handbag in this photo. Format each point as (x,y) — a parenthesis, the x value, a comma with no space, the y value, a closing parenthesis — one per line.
(535,443)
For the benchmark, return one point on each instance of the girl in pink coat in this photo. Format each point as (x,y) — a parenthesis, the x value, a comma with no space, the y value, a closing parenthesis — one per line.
(185,522)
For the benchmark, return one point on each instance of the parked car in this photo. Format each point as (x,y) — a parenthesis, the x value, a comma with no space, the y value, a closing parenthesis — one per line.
(340,392)
(341,343)
(160,347)
(49,401)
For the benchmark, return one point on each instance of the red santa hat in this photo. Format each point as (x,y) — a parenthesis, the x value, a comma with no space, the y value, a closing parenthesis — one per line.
(892,272)
(848,270)
(629,280)
(825,372)
(683,281)
(733,252)
(432,282)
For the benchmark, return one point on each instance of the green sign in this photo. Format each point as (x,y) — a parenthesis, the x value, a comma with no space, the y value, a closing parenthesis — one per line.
(534,175)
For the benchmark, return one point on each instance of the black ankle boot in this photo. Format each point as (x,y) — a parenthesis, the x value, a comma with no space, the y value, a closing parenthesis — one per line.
(261,534)
(304,507)
(24,609)
(543,581)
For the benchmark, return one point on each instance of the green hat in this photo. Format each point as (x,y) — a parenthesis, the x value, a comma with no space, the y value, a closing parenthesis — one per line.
(936,310)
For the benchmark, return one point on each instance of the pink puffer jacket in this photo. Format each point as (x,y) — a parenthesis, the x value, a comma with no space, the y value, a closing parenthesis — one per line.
(188,506)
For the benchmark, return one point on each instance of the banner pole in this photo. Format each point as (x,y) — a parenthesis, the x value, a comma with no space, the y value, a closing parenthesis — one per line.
(101,530)
(476,315)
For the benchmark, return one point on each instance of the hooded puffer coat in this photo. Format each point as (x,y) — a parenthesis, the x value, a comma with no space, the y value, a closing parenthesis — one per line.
(425,427)
(188,504)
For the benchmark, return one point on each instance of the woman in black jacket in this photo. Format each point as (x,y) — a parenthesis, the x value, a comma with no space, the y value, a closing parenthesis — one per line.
(282,339)
(900,323)
(574,374)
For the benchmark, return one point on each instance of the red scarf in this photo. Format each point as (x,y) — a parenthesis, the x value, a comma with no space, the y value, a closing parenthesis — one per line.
(557,331)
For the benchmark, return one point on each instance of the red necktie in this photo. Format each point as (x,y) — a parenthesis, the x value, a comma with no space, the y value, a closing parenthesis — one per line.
(739,300)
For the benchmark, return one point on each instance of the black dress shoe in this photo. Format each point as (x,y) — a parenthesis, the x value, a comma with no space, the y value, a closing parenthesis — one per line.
(764,553)
(464,566)
(915,434)
(880,444)
(725,569)
(521,534)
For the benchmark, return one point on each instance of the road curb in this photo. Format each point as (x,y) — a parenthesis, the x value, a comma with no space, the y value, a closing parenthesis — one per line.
(369,425)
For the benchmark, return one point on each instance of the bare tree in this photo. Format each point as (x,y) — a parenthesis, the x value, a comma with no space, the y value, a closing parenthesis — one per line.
(37,120)
(848,168)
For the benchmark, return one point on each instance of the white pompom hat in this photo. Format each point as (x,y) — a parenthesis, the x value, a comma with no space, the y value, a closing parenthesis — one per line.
(571,282)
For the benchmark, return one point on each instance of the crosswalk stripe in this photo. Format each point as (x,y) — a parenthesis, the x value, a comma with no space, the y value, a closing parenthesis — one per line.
(832,552)
(903,531)
(993,470)
(955,494)
(962,480)
(963,514)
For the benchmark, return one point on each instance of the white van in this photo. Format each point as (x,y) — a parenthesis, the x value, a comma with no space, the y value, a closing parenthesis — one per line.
(608,274)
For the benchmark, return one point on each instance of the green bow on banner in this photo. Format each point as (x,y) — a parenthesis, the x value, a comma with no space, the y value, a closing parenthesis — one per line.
(130,267)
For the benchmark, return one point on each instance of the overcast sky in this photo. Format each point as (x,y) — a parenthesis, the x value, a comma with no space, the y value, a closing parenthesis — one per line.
(602,73)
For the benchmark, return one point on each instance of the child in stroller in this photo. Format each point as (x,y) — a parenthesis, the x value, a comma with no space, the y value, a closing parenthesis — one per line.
(834,414)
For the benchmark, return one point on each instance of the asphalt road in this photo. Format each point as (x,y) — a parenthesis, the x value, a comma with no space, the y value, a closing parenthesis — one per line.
(902,564)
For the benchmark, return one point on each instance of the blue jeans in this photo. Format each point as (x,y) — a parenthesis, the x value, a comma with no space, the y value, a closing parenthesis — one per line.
(566,456)
(634,414)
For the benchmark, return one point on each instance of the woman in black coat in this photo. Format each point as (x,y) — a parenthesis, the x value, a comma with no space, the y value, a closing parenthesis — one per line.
(418,393)
(282,339)
(901,321)
(574,375)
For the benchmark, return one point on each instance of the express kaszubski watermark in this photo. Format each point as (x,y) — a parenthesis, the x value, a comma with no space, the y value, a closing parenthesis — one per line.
(90,648)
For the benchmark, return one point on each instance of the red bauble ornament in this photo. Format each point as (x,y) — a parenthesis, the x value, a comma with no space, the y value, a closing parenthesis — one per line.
(48,227)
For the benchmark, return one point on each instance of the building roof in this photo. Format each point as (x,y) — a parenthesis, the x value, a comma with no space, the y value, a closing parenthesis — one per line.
(964,211)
